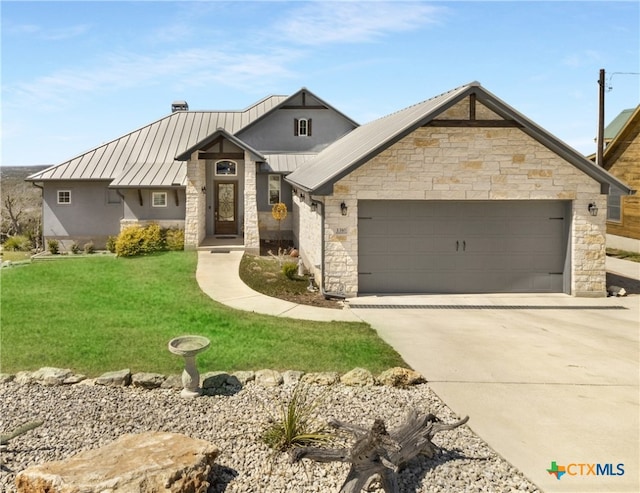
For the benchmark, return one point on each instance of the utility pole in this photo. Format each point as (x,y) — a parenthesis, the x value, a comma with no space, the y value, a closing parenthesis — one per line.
(600,143)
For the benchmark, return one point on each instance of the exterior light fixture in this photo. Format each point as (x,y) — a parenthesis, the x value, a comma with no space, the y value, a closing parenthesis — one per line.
(593,209)
(343,209)
(314,206)
(301,196)
(204,189)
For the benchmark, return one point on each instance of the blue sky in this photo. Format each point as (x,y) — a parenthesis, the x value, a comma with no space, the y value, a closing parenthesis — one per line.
(77,74)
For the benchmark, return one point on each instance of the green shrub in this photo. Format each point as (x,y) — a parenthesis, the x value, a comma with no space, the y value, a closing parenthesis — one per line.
(174,239)
(290,269)
(89,248)
(137,240)
(53,246)
(18,243)
(75,248)
(111,244)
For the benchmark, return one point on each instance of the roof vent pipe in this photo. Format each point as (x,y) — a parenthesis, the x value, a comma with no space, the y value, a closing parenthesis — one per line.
(179,106)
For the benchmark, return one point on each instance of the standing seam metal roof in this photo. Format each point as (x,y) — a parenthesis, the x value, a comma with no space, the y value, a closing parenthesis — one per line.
(146,157)
(357,147)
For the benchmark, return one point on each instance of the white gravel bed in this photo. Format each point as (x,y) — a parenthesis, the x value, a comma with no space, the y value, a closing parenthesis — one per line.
(82,417)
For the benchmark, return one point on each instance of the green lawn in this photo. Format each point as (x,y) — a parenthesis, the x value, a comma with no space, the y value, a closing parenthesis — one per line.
(104,313)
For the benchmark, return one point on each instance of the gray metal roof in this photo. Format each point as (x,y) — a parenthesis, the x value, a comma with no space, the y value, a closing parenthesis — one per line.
(131,157)
(359,146)
(286,162)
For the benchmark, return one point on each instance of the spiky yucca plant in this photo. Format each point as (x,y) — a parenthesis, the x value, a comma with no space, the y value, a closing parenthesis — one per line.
(297,424)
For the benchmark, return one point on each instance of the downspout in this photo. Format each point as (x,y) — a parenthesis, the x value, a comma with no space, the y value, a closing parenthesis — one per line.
(41,210)
(327,294)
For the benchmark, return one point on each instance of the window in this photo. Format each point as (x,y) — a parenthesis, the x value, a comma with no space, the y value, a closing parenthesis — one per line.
(614,205)
(274,189)
(64,196)
(159,199)
(302,127)
(226,168)
(113,197)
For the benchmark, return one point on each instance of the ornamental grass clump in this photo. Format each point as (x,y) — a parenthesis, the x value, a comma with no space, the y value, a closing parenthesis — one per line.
(296,424)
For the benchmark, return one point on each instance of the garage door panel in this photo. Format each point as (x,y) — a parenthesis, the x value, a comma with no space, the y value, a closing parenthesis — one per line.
(458,247)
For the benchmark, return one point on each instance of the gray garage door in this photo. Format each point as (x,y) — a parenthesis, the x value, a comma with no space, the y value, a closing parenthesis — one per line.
(462,247)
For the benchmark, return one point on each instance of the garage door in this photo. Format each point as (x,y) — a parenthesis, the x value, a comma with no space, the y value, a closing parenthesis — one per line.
(462,247)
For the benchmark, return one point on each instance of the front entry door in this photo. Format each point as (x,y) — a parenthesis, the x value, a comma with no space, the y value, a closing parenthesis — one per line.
(225,213)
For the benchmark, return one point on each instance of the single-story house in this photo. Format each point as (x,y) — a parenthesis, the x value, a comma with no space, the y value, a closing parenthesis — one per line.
(621,158)
(457,194)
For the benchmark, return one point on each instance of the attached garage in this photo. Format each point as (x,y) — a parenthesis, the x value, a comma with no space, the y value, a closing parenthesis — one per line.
(460,193)
(463,246)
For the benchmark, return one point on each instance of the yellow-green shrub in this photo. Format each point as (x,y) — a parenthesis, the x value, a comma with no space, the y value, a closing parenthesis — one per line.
(137,240)
(174,239)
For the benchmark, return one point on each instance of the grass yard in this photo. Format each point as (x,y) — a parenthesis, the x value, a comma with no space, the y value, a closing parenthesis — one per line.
(99,314)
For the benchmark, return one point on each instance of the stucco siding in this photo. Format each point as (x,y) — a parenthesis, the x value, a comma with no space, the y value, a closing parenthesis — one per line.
(134,210)
(447,163)
(275,133)
(93,214)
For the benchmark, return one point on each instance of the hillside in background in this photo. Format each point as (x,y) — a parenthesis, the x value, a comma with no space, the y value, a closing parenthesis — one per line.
(26,200)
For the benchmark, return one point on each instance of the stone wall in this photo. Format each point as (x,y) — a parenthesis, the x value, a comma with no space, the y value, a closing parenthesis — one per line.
(250,227)
(307,235)
(438,163)
(194,230)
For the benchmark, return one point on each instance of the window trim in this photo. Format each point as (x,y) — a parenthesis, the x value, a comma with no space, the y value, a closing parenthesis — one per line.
(617,207)
(59,194)
(298,125)
(235,168)
(279,190)
(159,194)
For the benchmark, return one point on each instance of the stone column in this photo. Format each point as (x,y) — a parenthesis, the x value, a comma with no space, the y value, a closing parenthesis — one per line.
(251,232)
(194,225)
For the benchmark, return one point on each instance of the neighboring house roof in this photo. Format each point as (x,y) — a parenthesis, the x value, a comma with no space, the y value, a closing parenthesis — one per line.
(617,124)
(624,134)
(359,146)
(156,145)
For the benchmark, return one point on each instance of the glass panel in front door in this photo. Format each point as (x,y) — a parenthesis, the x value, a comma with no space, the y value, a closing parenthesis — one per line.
(226,202)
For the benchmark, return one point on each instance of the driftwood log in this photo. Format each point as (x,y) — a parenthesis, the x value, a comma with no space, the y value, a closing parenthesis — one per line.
(377,453)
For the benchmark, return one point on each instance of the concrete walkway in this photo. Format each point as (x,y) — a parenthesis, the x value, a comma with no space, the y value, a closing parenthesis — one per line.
(546,378)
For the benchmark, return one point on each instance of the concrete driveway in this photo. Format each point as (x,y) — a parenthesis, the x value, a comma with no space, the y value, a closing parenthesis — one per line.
(546,378)
(556,381)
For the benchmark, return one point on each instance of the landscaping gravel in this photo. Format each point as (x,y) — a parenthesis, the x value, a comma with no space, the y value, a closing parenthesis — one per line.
(80,417)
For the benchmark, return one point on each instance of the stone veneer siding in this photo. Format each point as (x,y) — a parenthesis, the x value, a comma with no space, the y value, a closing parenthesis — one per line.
(195,226)
(250,227)
(436,163)
(307,230)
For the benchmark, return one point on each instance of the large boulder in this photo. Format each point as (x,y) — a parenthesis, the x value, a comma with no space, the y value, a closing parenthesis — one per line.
(120,378)
(321,378)
(152,462)
(400,377)
(359,377)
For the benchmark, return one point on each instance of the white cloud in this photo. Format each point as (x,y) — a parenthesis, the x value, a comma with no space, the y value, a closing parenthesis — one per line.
(354,22)
(47,34)
(193,67)
(582,59)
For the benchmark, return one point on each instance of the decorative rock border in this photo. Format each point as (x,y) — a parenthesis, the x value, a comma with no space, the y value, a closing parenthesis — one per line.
(218,382)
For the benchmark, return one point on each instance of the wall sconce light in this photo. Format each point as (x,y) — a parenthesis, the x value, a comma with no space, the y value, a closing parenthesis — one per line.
(314,206)
(593,209)
(343,209)
(301,196)
(204,189)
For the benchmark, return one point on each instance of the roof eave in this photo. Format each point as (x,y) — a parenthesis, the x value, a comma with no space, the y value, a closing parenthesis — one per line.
(186,155)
